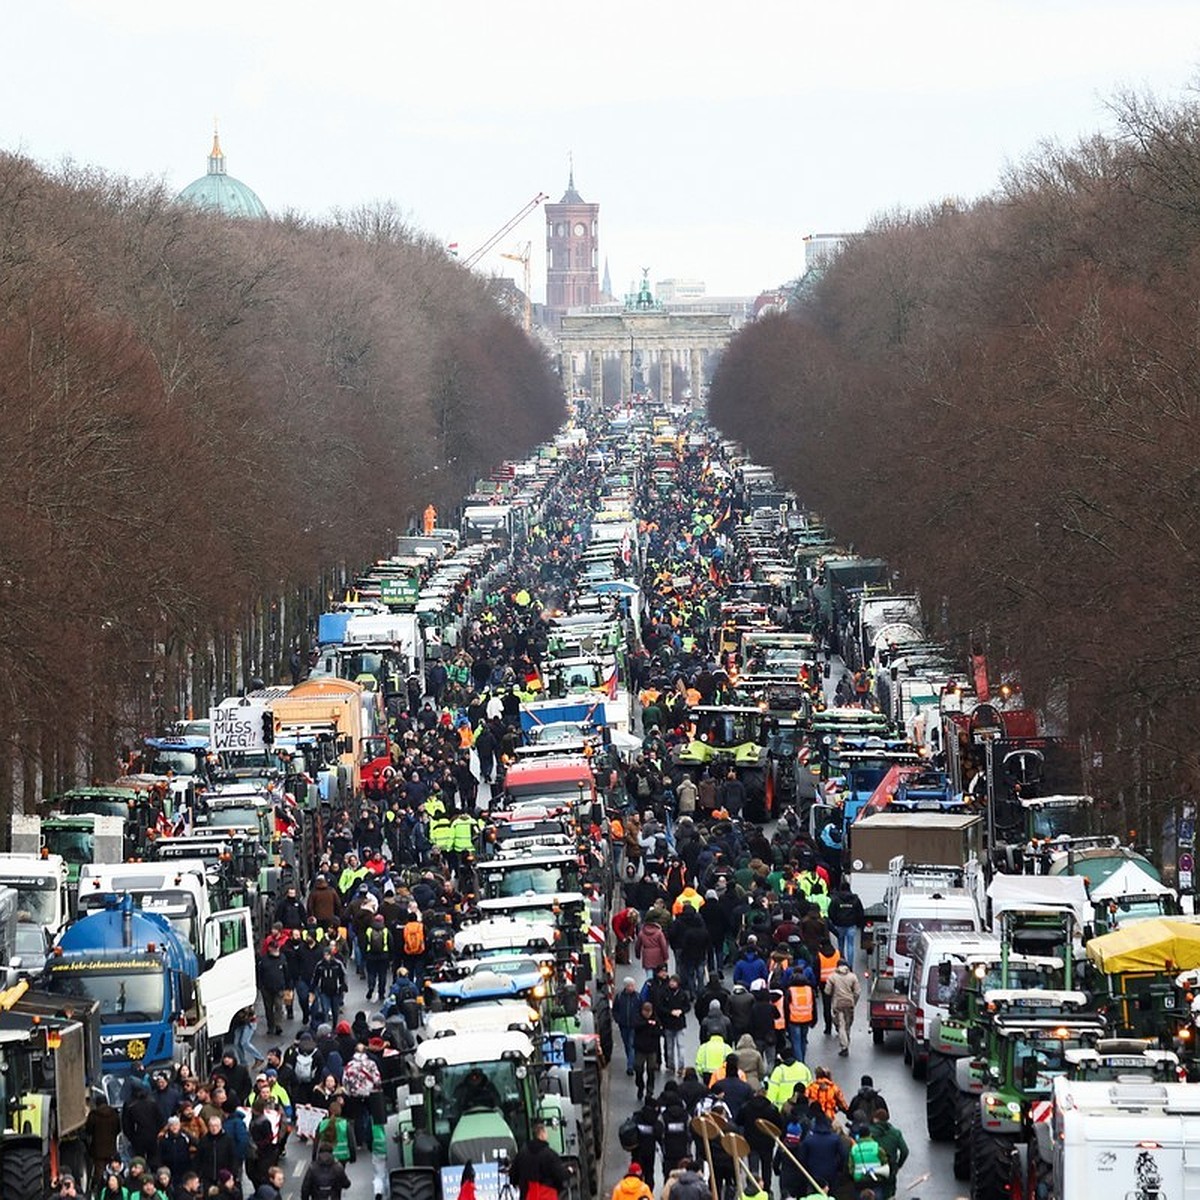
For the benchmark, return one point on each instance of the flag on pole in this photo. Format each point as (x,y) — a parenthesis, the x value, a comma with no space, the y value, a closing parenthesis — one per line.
(453,248)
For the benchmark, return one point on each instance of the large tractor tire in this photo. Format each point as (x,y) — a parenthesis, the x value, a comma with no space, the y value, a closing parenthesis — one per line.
(577,1182)
(993,1176)
(23,1173)
(964,1111)
(941,1097)
(412,1185)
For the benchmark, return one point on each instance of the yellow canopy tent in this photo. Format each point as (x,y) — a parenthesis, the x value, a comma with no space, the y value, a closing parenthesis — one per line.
(1164,944)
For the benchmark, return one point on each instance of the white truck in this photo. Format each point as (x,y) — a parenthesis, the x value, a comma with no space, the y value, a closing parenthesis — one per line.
(1129,1139)
(41,886)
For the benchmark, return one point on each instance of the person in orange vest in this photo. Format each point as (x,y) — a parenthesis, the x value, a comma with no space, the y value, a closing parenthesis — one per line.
(827,961)
(800,1003)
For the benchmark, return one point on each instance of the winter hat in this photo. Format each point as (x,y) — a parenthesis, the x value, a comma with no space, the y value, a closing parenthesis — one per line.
(866,1081)
(635,1169)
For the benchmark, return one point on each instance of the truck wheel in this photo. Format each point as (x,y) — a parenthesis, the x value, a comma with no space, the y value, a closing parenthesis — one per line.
(941,1097)
(23,1172)
(907,1052)
(877,1036)
(992,1160)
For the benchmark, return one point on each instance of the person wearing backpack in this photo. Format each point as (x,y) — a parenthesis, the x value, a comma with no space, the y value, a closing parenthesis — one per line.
(413,938)
(377,955)
(324,1179)
(306,1064)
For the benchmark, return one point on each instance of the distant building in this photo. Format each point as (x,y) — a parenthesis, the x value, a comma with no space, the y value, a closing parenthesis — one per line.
(820,249)
(679,290)
(218,191)
(572,255)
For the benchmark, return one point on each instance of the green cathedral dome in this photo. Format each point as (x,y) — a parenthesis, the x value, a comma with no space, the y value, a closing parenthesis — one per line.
(220,192)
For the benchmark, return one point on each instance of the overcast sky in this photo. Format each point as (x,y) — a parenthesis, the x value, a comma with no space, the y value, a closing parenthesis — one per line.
(713,136)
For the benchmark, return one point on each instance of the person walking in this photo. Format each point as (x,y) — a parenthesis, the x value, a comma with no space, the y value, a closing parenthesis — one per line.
(652,947)
(325,1179)
(626,1009)
(844,992)
(537,1171)
(891,1140)
(632,1186)
(647,1044)
(672,1006)
(846,918)
(867,1163)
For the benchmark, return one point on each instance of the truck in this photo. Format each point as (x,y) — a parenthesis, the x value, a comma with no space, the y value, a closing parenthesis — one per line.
(933,839)
(49,1061)
(1132,1138)
(40,881)
(327,706)
(168,981)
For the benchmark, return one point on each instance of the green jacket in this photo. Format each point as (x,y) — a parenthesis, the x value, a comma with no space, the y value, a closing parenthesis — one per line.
(895,1147)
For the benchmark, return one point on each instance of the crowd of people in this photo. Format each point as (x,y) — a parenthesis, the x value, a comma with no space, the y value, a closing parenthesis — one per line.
(746,939)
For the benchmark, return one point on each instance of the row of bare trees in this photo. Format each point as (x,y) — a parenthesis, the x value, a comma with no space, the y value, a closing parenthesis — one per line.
(203,424)
(1004,399)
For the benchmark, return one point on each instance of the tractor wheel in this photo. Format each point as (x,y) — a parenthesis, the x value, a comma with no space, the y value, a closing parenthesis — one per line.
(577,1184)
(993,1174)
(941,1097)
(964,1111)
(412,1185)
(23,1172)
(1038,1179)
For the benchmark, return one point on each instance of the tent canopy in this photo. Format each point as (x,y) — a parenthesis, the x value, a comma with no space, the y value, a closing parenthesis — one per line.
(1163,944)
(1040,893)
(1130,880)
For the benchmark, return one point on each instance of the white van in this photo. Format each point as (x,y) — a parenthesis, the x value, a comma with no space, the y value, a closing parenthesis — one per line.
(930,988)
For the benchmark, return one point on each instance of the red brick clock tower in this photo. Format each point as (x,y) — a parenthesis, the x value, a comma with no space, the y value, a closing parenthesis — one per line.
(572,254)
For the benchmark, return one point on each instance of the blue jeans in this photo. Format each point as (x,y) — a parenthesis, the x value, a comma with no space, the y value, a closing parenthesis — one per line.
(627,1042)
(673,1049)
(244,1049)
(799,1036)
(847,941)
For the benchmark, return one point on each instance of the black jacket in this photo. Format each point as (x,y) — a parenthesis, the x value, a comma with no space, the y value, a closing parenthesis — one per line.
(536,1162)
(215,1154)
(647,1035)
(324,1178)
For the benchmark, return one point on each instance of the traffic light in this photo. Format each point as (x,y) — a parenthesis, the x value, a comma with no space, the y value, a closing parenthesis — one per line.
(268,726)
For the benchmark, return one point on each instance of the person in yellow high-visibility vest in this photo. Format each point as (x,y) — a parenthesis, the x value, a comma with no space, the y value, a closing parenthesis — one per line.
(711,1055)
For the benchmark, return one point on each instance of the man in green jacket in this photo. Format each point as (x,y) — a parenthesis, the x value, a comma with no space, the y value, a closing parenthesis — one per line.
(894,1146)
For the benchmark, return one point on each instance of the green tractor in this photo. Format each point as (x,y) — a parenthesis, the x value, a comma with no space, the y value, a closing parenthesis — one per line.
(1036,922)
(1018,1052)
(733,738)
(966,979)
(474,1098)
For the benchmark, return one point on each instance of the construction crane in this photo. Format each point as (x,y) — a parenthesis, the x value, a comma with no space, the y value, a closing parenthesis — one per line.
(504,230)
(522,257)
